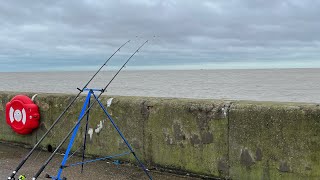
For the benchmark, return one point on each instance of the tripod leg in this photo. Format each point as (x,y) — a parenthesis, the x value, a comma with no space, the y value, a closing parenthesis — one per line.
(85,138)
(74,134)
(123,138)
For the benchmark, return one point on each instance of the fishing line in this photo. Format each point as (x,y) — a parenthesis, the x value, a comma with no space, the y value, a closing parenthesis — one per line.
(74,152)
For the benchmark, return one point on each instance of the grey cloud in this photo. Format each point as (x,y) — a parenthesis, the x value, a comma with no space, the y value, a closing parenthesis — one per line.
(203,31)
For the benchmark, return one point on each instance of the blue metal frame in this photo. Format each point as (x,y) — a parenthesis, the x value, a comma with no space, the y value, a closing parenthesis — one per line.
(74,133)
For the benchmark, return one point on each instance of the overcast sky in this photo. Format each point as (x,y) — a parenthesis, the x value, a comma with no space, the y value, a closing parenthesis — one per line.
(80,35)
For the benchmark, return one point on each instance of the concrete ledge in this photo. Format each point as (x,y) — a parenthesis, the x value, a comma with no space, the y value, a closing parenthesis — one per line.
(248,140)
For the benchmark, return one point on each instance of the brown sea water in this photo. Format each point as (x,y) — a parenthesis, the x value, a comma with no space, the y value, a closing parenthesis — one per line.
(288,85)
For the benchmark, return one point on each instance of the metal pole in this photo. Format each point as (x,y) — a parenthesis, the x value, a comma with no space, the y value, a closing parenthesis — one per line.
(85,137)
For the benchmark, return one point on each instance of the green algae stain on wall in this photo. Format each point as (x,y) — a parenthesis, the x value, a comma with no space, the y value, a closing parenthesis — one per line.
(274,141)
(188,135)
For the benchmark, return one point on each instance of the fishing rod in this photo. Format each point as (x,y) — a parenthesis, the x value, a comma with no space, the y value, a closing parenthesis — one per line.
(60,116)
(80,119)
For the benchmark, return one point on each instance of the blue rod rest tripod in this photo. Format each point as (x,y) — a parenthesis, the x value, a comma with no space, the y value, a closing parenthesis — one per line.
(74,133)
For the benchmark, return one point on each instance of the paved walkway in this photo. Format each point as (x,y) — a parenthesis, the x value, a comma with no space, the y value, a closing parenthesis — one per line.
(10,156)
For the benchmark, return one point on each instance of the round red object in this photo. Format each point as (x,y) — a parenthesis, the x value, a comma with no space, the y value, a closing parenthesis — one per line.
(22,114)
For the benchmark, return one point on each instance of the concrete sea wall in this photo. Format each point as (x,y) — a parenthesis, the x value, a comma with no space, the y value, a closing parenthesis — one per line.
(216,138)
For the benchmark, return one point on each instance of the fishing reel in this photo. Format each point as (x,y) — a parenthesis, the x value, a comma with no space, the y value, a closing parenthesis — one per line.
(22,177)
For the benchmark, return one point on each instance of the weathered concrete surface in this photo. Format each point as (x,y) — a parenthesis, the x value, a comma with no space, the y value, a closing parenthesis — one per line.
(274,141)
(187,134)
(255,140)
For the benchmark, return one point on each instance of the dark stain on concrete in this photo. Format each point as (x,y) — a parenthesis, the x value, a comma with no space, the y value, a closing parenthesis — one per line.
(192,108)
(246,159)
(204,114)
(308,168)
(258,154)
(181,145)
(145,110)
(178,134)
(284,167)
(207,137)
(194,140)
(223,168)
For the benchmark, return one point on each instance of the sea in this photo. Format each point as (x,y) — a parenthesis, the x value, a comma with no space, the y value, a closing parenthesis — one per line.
(283,85)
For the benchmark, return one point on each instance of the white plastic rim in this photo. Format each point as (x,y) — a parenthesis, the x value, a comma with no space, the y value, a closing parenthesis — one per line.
(17,115)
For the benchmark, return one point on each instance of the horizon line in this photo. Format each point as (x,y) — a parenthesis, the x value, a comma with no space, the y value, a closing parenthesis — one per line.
(160,69)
